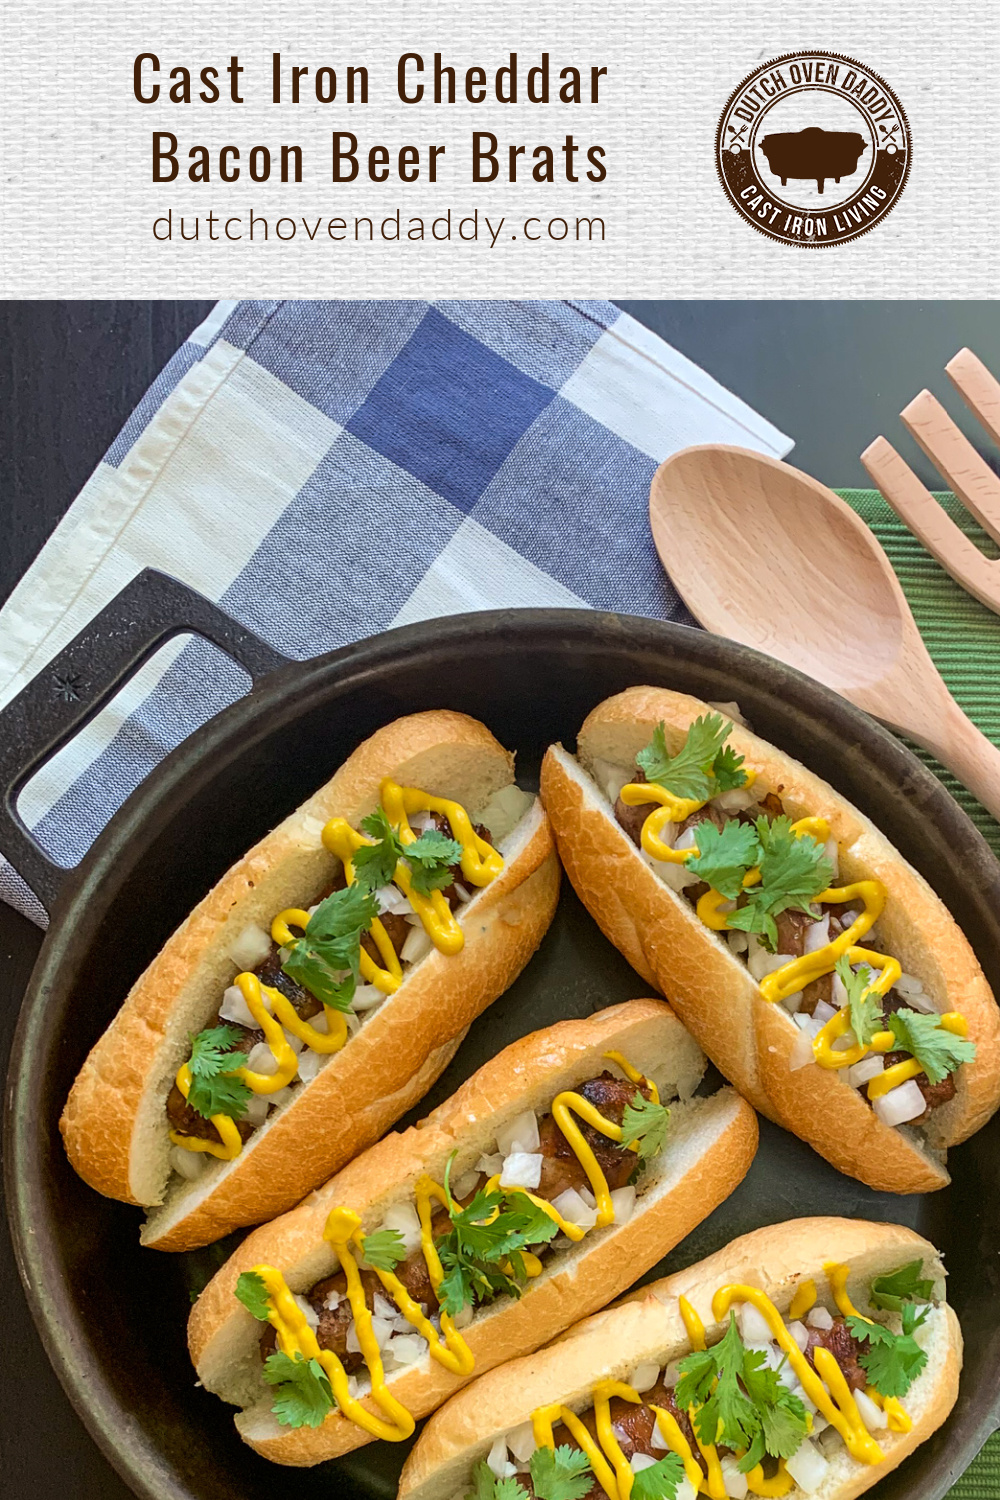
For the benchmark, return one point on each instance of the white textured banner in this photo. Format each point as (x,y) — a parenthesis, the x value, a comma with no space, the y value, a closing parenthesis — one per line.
(643,86)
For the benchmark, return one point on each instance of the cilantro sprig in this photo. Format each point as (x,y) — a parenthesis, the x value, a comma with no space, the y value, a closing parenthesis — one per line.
(646,1124)
(327,958)
(303,1395)
(794,870)
(864,1004)
(384,1249)
(252,1292)
(428,857)
(741,1402)
(892,1361)
(561,1473)
(938,1052)
(215,1090)
(889,1292)
(481,1255)
(724,855)
(703,767)
(659,1481)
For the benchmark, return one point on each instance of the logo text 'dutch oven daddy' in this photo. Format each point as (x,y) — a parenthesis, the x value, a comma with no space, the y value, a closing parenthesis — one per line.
(813,149)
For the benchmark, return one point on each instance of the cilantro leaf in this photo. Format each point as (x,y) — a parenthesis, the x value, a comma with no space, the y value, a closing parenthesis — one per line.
(214,1088)
(482,1260)
(430,858)
(659,1481)
(327,958)
(483,1481)
(734,1387)
(724,855)
(864,1005)
(689,772)
(727,771)
(303,1395)
(384,1249)
(892,1361)
(375,864)
(891,1291)
(561,1473)
(509,1489)
(252,1292)
(939,1052)
(794,870)
(645,1122)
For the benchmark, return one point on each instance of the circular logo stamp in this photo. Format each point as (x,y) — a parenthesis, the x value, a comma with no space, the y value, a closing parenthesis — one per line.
(813,149)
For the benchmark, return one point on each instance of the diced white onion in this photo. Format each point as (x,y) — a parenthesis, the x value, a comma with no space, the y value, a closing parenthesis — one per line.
(846,1042)
(332,1301)
(829,1442)
(905,1102)
(588,1197)
(383,1308)
(308,1311)
(461,892)
(807,1467)
(819,1317)
(491,1164)
(833,855)
(190,1164)
(496,1459)
(644,1376)
(235,1009)
(367,996)
(869,1067)
(761,963)
(353,1344)
(736,801)
(657,1440)
(873,1419)
(464,1184)
(404,1219)
(281,1098)
(913,993)
(792,1003)
(522,1169)
(521,1442)
(464,1316)
(677,877)
(321,1023)
(418,821)
(799,1333)
(733,1482)
(416,947)
(295,1042)
(817,935)
(310,1063)
(640,1461)
(623,1203)
(839,992)
(257,1108)
(391,898)
(504,811)
(571,1207)
(686,1490)
(262,1060)
(754,1326)
(737,941)
(250,947)
(731,710)
(823,1012)
(688,839)
(519,1134)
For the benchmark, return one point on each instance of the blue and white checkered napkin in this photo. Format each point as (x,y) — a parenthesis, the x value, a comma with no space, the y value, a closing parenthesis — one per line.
(286,441)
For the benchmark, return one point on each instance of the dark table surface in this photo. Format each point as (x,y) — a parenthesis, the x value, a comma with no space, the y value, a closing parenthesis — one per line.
(830,374)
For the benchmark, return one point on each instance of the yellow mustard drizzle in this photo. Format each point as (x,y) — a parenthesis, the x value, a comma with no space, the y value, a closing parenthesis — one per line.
(542,1422)
(692,1322)
(825,1386)
(481,864)
(568,1104)
(343,1233)
(804,1299)
(837,1275)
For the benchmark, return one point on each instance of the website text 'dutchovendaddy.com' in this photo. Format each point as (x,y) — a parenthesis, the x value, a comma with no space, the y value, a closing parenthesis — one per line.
(393,228)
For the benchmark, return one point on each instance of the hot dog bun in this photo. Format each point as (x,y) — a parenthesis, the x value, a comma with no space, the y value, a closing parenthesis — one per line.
(114,1123)
(647,1328)
(712,990)
(710,1145)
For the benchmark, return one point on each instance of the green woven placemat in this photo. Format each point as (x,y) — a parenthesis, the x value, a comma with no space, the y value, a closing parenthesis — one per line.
(963,637)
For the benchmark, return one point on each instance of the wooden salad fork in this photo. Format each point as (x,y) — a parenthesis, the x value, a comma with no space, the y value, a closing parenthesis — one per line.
(966,472)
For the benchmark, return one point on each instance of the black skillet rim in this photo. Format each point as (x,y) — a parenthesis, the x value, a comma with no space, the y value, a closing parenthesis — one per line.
(184,769)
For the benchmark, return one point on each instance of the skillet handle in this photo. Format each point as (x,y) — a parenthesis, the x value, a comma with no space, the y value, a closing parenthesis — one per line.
(77,683)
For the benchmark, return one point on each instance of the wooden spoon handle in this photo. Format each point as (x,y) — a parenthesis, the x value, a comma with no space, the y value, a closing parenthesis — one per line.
(960,746)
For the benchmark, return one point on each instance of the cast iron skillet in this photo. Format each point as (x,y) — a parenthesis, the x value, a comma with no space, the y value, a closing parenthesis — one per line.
(112,1316)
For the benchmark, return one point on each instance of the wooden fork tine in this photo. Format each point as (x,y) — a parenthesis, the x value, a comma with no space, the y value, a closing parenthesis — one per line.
(970,476)
(978,388)
(916,508)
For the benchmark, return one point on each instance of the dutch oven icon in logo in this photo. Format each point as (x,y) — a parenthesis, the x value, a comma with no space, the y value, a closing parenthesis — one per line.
(813,153)
(813,149)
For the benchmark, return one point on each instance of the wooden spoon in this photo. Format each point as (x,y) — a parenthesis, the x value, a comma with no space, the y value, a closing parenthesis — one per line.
(765,555)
